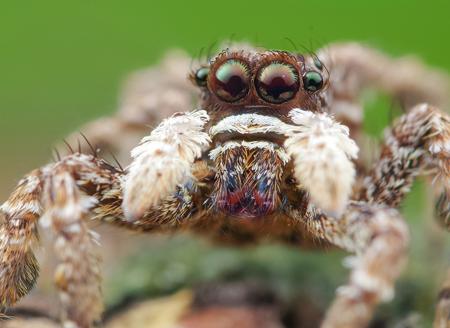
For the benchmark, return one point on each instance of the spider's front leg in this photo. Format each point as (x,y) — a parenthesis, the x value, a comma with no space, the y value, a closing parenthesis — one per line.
(378,237)
(65,193)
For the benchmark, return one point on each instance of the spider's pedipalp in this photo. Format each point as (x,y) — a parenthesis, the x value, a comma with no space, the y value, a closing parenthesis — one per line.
(322,151)
(163,160)
(378,237)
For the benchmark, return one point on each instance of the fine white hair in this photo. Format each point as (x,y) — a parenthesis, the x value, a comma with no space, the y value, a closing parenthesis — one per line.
(163,160)
(322,152)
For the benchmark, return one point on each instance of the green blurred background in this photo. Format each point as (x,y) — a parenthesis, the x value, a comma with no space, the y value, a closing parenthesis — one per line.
(61,64)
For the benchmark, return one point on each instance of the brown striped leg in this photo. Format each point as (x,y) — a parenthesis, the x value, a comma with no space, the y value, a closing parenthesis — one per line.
(419,140)
(18,234)
(63,195)
(378,237)
(78,273)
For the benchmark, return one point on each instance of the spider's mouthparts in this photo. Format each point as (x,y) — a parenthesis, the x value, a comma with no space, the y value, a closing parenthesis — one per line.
(248,178)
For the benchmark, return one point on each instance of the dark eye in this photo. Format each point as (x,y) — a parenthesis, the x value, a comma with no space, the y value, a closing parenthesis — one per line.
(277,82)
(312,81)
(232,80)
(201,76)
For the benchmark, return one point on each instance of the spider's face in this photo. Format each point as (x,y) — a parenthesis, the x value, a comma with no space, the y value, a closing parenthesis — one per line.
(248,96)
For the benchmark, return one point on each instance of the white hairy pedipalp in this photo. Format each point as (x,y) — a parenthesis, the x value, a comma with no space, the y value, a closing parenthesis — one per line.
(322,152)
(163,160)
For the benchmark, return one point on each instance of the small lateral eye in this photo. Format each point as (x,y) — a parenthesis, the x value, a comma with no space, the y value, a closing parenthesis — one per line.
(318,63)
(277,82)
(201,76)
(312,81)
(232,80)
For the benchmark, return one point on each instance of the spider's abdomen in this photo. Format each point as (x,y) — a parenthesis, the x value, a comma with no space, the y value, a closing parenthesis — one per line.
(248,178)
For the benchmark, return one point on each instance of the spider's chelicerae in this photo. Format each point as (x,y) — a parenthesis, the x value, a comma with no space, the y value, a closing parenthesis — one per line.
(269,153)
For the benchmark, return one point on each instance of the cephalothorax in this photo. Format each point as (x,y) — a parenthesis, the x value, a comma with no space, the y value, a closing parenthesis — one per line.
(270,152)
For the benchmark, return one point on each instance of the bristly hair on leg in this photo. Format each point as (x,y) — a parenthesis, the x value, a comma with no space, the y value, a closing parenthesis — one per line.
(163,160)
(69,147)
(94,152)
(322,151)
(57,154)
(116,161)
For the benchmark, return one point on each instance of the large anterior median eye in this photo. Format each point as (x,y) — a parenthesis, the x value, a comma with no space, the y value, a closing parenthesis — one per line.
(277,82)
(232,80)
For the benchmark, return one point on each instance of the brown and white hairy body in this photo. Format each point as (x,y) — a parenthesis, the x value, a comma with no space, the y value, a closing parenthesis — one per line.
(271,152)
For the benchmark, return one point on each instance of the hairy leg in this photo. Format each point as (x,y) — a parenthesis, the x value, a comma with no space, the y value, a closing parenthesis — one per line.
(77,274)
(18,234)
(378,237)
(62,196)
(51,192)
(418,141)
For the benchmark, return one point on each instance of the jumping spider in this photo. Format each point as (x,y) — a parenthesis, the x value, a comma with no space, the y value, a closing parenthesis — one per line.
(264,156)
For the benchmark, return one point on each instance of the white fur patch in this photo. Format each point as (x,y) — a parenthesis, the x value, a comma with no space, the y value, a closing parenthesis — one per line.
(264,145)
(322,151)
(249,124)
(163,160)
(21,208)
(64,202)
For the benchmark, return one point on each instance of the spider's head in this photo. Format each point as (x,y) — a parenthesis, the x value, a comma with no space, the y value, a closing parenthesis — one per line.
(248,96)
(247,80)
